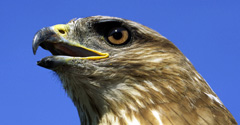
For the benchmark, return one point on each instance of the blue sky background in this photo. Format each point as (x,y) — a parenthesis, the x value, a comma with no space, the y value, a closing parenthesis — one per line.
(206,31)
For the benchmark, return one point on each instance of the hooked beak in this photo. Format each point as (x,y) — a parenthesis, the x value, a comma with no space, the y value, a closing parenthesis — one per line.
(54,40)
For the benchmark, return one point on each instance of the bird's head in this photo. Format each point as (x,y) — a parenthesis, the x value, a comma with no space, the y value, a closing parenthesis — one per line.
(112,64)
(105,50)
(100,40)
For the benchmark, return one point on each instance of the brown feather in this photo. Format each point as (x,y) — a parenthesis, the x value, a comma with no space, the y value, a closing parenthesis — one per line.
(147,82)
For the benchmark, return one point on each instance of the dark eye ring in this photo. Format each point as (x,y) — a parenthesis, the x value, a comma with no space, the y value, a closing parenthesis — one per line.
(118,36)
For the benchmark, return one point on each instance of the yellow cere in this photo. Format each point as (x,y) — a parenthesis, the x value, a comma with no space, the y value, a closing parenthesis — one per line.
(61,29)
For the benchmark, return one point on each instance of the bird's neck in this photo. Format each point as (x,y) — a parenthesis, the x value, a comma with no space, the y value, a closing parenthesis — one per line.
(101,107)
(88,101)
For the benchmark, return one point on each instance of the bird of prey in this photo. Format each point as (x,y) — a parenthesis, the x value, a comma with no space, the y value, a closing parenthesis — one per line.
(119,72)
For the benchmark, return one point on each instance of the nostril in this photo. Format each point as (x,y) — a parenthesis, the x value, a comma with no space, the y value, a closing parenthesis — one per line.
(61,31)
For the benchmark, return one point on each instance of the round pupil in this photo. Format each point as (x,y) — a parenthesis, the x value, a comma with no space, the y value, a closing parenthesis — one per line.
(117,35)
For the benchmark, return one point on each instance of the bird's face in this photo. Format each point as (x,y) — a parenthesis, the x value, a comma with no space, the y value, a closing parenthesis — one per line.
(99,41)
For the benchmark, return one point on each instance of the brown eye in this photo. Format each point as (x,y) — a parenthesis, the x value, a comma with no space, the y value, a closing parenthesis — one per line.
(118,36)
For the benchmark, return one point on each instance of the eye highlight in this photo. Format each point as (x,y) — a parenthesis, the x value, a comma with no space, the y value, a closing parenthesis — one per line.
(118,36)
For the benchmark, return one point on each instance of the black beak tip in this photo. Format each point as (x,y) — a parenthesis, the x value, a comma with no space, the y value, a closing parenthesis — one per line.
(47,62)
(40,37)
(34,51)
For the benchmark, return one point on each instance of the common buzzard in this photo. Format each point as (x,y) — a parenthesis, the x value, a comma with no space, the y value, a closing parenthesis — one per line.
(117,71)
